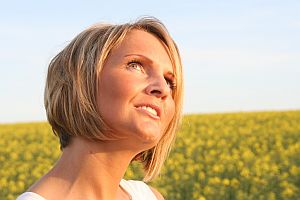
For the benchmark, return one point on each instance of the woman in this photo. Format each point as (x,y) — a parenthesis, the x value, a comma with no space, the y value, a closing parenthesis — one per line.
(113,95)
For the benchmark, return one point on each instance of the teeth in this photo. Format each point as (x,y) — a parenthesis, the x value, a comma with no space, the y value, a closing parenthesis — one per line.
(151,110)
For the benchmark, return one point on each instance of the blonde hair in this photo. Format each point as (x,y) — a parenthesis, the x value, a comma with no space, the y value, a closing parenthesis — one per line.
(72,85)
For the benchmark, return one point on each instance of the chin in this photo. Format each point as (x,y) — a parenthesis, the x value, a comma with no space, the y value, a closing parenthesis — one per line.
(149,139)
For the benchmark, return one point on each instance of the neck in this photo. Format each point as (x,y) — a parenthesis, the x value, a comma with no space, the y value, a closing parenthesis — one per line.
(92,170)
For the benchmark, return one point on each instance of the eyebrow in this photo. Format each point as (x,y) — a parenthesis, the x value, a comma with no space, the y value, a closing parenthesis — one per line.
(170,73)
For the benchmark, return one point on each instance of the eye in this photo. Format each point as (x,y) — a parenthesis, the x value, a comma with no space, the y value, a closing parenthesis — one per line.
(171,83)
(136,65)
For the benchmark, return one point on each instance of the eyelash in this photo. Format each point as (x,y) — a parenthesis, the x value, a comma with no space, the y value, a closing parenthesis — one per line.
(169,81)
(135,62)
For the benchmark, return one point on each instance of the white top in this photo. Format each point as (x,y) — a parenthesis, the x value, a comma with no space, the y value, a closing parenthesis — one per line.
(137,189)
(30,196)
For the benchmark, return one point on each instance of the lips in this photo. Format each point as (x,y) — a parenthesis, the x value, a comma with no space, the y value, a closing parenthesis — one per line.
(150,109)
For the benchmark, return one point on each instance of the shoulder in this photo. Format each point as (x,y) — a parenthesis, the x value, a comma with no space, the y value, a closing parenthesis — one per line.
(158,195)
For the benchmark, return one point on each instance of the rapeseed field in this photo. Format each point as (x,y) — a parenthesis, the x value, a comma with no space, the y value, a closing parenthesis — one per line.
(243,156)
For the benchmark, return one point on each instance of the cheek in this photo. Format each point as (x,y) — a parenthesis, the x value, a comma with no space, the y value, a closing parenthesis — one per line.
(108,96)
(113,89)
(115,93)
(170,110)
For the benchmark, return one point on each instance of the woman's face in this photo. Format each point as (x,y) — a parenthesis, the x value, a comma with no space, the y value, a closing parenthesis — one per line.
(135,88)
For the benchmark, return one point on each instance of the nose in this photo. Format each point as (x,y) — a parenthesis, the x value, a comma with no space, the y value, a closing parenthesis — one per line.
(158,87)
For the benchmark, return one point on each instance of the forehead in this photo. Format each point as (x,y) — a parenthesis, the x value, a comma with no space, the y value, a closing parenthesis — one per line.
(139,42)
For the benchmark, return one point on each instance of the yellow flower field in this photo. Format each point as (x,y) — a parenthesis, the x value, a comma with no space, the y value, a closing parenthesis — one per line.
(216,156)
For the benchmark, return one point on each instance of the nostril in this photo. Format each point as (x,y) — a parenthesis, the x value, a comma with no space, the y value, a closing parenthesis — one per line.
(155,92)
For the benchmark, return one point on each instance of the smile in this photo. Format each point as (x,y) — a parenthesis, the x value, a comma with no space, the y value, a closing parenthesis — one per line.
(152,110)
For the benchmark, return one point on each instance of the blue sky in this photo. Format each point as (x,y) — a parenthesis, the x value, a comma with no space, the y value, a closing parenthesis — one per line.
(237,55)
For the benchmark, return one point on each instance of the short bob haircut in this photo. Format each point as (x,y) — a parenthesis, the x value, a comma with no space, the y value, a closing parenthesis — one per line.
(72,85)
